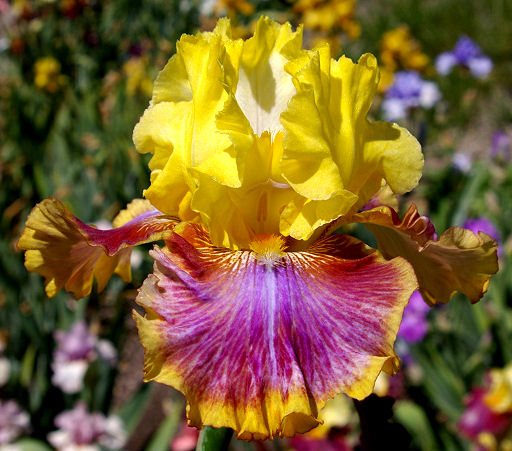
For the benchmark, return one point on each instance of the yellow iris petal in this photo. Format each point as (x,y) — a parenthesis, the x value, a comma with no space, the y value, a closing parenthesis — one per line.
(261,136)
(330,147)
(264,87)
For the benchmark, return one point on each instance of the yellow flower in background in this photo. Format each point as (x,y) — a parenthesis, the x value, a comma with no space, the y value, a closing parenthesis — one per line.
(47,74)
(338,412)
(499,394)
(233,7)
(332,40)
(399,50)
(136,73)
(257,136)
(325,15)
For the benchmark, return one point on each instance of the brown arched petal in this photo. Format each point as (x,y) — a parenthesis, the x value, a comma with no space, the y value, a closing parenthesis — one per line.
(458,261)
(70,254)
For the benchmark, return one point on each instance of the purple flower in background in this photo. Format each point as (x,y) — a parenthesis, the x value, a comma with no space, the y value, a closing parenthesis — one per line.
(408,91)
(78,343)
(483,224)
(14,422)
(75,350)
(414,322)
(501,146)
(78,427)
(465,53)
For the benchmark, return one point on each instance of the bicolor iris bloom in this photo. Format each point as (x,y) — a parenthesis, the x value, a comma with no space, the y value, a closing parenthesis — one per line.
(256,311)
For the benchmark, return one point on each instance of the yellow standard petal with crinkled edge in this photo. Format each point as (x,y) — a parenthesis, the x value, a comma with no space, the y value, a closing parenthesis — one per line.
(331,149)
(261,136)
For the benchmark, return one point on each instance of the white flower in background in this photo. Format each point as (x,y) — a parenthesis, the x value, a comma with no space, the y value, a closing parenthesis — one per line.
(136,258)
(207,7)
(106,351)
(5,371)
(5,366)
(69,376)
(462,162)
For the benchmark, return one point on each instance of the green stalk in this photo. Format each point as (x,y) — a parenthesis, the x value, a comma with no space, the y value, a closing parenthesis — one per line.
(214,439)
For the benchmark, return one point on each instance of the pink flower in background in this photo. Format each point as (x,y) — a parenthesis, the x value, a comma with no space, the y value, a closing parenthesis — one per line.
(186,439)
(76,349)
(14,422)
(79,428)
(478,417)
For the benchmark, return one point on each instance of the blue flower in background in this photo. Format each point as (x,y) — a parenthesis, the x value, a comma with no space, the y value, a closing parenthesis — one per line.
(466,53)
(501,146)
(482,224)
(408,91)
(414,325)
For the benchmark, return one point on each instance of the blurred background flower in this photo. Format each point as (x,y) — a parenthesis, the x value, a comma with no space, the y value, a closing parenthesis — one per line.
(75,350)
(79,429)
(408,91)
(468,54)
(14,422)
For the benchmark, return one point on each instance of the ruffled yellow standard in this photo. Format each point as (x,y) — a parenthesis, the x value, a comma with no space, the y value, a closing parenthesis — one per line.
(255,312)
(262,136)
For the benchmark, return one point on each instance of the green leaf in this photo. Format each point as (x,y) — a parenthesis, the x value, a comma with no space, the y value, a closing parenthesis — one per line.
(167,430)
(27,366)
(469,193)
(29,444)
(131,412)
(214,439)
(414,419)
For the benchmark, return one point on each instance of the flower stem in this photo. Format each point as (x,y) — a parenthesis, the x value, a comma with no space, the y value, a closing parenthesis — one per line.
(214,439)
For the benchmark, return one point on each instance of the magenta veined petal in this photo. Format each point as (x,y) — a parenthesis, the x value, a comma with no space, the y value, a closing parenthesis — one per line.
(259,342)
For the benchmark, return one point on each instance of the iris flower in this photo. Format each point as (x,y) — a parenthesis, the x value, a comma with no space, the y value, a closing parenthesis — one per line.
(256,311)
